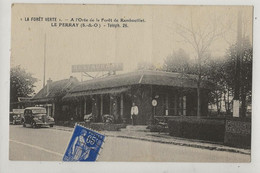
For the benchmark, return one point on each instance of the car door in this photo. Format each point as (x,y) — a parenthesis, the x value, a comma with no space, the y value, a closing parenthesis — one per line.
(30,116)
(25,116)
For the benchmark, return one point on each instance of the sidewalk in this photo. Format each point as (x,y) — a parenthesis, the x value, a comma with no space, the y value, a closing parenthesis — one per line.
(141,133)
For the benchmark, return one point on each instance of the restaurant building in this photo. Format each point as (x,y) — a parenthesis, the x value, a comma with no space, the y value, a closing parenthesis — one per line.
(174,93)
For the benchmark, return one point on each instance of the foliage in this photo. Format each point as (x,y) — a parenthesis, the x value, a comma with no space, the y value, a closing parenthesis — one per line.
(216,74)
(21,83)
(200,37)
(194,128)
(179,61)
(222,72)
(245,66)
(145,66)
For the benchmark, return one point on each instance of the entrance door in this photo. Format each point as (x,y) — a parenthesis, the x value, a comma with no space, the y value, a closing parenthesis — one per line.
(161,106)
(127,101)
(106,104)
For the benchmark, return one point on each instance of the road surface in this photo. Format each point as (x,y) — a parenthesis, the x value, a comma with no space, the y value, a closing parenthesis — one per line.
(48,144)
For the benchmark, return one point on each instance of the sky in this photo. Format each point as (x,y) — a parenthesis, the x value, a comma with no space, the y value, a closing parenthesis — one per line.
(150,41)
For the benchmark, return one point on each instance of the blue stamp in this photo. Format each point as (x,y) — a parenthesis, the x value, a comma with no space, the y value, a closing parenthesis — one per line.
(84,145)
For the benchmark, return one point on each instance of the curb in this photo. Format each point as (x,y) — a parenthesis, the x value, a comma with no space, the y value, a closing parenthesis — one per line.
(187,145)
(221,148)
(68,130)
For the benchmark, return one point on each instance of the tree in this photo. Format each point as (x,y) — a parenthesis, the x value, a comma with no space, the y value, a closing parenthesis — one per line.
(21,83)
(179,61)
(200,36)
(145,66)
(221,91)
(222,71)
(214,73)
(245,81)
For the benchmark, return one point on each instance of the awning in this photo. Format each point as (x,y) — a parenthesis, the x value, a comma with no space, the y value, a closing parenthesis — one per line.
(96,92)
(40,100)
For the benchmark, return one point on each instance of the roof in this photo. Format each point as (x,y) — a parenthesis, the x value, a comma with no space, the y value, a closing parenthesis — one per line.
(93,92)
(24,99)
(140,77)
(56,88)
(33,108)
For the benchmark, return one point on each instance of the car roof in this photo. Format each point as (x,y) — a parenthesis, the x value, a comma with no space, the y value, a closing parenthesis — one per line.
(31,108)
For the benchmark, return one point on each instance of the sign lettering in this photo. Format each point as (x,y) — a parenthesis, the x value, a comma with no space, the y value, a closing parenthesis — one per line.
(97,67)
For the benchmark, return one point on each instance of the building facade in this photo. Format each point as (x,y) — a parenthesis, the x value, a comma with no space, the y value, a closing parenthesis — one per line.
(175,94)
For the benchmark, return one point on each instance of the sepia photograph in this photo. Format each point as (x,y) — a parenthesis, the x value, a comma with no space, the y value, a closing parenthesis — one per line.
(131,83)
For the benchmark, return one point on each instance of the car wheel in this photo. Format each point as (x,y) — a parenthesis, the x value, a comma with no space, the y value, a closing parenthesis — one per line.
(14,122)
(34,125)
(51,125)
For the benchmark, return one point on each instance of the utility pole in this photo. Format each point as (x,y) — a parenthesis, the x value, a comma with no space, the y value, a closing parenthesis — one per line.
(237,66)
(44,61)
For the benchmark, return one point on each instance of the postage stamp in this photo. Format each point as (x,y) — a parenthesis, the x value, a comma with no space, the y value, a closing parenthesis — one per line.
(85,145)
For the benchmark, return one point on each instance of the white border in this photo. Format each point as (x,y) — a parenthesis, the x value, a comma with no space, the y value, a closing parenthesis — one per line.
(7,166)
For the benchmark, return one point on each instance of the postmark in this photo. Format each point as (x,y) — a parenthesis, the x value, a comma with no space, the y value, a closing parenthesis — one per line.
(85,145)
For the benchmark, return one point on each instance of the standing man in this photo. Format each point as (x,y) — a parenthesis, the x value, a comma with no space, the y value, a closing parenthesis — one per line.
(134,113)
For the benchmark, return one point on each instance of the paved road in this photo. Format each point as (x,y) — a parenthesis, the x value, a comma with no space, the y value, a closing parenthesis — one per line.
(47,144)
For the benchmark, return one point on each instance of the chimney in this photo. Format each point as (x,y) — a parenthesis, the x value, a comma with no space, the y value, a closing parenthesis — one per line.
(49,81)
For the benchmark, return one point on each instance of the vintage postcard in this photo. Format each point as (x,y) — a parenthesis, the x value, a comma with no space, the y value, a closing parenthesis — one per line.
(160,83)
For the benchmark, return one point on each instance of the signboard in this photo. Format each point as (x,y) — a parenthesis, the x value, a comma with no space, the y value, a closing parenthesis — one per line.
(238,133)
(154,102)
(235,108)
(238,127)
(97,67)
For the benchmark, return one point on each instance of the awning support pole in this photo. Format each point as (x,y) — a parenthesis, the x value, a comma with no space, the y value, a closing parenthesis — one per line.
(121,105)
(53,109)
(85,106)
(175,104)
(101,105)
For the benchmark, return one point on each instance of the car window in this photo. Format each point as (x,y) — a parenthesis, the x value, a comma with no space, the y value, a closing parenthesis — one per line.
(27,112)
(39,111)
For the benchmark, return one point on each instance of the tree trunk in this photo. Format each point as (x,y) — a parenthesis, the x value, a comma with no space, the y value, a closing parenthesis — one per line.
(198,86)
(228,95)
(217,102)
(225,100)
(198,105)
(242,87)
(220,104)
(243,100)
(198,96)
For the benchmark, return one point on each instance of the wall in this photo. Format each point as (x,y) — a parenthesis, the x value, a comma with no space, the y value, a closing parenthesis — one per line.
(143,95)
(238,132)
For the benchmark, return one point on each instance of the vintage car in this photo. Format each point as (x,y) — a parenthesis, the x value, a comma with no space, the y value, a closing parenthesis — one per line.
(37,117)
(16,116)
(88,118)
